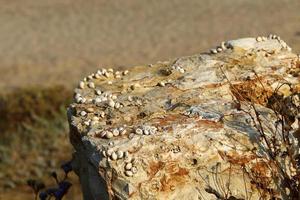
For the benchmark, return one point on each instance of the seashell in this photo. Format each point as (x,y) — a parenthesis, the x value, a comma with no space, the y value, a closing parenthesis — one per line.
(98,92)
(77,95)
(91,85)
(128,173)
(127,158)
(134,170)
(146,132)
(117,105)
(219,49)
(83,113)
(128,166)
(152,131)
(109,152)
(162,84)
(110,70)
(97,76)
(270,36)
(130,98)
(113,97)
(118,76)
(97,100)
(115,132)
(109,135)
(120,154)
(213,51)
(223,46)
(87,123)
(83,100)
(99,72)
(81,84)
(78,100)
(123,132)
(114,156)
(109,82)
(111,103)
(259,39)
(139,131)
(111,143)
(106,74)
(90,77)
(135,86)
(103,134)
(102,114)
(126,154)
(181,70)
(125,72)
(104,154)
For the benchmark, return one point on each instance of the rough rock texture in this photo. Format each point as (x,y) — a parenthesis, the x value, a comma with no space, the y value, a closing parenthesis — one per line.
(159,131)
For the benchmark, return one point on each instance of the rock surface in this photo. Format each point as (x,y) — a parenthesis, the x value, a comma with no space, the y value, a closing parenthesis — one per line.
(159,131)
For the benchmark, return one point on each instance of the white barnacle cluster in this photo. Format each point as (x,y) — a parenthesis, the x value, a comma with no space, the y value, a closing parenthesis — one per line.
(114,132)
(113,155)
(283,43)
(89,82)
(129,167)
(222,47)
(274,37)
(145,130)
(89,117)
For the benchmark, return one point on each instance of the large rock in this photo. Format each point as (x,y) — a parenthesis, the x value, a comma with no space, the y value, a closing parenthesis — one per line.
(159,131)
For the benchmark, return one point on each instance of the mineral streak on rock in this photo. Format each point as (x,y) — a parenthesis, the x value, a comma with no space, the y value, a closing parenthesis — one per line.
(156,132)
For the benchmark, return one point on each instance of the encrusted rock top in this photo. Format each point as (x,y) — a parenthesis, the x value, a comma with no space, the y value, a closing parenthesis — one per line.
(151,132)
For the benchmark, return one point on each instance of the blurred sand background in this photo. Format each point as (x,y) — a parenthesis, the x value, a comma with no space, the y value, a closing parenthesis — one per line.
(44,43)
(60,41)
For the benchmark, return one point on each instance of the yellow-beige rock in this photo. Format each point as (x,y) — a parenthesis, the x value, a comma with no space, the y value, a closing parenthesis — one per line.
(159,131)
